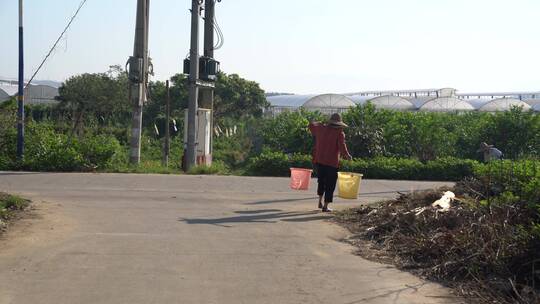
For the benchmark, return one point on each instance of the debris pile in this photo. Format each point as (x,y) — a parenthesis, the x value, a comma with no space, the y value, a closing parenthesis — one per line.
(10,208)
(451,236)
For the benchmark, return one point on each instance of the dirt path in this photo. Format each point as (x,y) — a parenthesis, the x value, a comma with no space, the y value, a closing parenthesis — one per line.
(110,238)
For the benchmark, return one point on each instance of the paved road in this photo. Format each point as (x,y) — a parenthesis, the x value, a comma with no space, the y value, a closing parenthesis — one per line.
(111,238)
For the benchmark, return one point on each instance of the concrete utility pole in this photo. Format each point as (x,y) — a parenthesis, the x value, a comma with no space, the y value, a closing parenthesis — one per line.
(207,94)
(209,14)
(20,96)
(167,146)
(138,77)
(191,151)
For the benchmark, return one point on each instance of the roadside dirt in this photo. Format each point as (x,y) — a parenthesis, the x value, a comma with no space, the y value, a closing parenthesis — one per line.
(43,223)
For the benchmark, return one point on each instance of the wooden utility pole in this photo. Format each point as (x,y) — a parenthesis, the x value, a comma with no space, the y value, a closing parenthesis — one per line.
(138,77)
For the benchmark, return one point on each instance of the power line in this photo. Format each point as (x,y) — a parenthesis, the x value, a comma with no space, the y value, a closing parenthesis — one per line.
(56,43)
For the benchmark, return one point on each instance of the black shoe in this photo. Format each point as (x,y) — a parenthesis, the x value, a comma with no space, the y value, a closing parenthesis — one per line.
(327,209)
(320,206)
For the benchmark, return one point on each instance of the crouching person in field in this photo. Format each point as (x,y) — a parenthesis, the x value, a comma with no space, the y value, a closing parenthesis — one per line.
(490,152)
(329,145)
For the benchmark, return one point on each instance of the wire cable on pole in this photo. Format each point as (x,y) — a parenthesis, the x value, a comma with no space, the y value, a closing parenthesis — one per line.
(57,41)
(220,37)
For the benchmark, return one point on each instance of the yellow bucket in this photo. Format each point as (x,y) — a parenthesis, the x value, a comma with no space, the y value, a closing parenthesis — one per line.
(349,185)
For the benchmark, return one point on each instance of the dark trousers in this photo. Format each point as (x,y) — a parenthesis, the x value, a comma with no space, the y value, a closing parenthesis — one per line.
(326,178)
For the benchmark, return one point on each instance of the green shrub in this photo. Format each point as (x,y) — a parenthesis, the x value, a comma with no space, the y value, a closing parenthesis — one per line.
(47,150)
(448,168)
(217,167)
(8,134)
(393,168)
(99,151)
(269,164)
(232,145)
(445,169)
(515,132)
(300,161)
(420,135)
(520,178)
(289,132)
(365,134)
(277,164)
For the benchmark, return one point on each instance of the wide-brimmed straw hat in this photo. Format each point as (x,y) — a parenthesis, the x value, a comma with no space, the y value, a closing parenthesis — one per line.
(335,120)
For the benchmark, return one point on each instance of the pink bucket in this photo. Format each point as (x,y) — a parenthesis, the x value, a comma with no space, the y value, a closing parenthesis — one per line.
(300,178)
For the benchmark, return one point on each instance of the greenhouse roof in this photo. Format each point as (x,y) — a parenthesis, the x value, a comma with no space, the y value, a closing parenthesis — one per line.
(477,103)
(504,104)
(446,104)
(10,90)
(295,101)
(311,101)
(32,93)
(392,103)
(333,101)
(360,99)
(441,100)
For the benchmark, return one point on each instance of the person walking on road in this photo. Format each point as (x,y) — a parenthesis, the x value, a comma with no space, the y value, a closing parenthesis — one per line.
(329,145)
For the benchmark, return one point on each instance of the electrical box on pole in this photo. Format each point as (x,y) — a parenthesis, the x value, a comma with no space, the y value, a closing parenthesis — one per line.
(136,69)
(208,68)
(203,124)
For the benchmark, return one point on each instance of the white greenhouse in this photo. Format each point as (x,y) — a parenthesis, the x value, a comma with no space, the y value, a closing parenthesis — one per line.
(33,94)
(430,100)
(446,104)
(360,99)
(390,102)
(504,104)
(325,103)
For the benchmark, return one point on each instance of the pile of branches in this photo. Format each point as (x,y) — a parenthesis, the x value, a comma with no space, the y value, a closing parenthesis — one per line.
(486,252)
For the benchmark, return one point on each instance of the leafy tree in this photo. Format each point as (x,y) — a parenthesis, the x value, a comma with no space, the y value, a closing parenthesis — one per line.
(365,133)
(237,97)
(154,110)
(101,96)
(516,132)
(430,139)
(288,132)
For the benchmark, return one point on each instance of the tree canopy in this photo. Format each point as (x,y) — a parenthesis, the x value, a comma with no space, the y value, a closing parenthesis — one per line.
(101,96)
(104,96)
(237,97)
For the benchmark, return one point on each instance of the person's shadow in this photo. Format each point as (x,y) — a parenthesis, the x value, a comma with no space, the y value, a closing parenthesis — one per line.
(259,216)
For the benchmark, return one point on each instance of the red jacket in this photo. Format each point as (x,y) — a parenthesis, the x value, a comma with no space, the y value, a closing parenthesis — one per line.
(329,144)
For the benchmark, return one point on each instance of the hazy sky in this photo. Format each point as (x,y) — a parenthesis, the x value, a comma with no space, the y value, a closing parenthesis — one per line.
(300,46)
